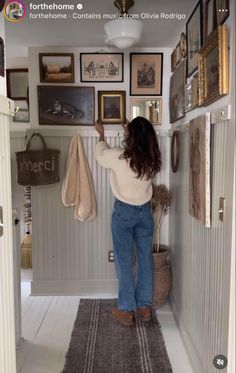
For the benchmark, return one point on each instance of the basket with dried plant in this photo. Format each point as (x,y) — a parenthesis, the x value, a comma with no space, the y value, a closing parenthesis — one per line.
(161,201)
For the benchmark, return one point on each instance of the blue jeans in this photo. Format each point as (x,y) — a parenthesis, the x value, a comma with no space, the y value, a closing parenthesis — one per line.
(133,224)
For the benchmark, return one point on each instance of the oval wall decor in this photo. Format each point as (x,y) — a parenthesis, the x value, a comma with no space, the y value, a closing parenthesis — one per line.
(175,151)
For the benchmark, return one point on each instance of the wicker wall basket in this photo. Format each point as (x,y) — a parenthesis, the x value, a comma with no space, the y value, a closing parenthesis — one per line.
(162,276)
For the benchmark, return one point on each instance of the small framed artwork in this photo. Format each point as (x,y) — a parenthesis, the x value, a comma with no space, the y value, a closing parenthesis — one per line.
(56,67)
(17,84)
(149,108)
(102,67)
(213,67)
(183,46)
(191,94)
(146,70)
(210,17)
(194,38)
(173,60)
(111,107)
(22,112)
(222,11)
(177,93)
(178,54)
(66,105)
(2,58)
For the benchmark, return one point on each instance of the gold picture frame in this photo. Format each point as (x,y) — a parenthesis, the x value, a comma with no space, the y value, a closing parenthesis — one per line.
(148,107)
(112,107)
(213,62)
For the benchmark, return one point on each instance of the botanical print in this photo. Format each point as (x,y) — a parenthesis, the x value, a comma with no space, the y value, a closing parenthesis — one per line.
(101,67)
(66,105)
(199,180)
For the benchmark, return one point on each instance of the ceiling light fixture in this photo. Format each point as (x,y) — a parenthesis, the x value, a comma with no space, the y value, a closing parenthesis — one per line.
(123,32)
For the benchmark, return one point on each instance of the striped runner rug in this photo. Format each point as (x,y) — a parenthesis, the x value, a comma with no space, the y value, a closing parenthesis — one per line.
(100,344)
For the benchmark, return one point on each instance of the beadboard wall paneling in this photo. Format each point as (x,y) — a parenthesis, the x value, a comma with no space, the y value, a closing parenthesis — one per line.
(71,256)
(7,317)
(201,256)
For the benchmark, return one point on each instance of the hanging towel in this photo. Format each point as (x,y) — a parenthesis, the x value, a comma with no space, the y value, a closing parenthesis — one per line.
(78,187)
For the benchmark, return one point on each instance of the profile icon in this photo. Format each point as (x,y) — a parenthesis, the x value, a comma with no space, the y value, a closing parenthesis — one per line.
(14,11)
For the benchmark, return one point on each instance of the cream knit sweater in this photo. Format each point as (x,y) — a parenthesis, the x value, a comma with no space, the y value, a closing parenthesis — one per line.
(124,183)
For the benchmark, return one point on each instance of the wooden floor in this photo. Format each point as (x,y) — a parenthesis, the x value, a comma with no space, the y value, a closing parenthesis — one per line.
(47,323)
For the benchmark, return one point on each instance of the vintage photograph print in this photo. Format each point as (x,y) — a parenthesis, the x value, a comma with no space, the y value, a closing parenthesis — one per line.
(65,105)
(146,71)
(102,67)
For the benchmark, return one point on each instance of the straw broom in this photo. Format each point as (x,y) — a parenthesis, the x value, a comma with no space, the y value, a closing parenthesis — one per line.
(26,251)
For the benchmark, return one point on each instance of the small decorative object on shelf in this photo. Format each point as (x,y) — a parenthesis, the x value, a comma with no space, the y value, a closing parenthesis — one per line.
(160,202)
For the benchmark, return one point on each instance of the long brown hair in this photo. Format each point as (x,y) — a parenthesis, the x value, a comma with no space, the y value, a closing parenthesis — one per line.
(141,148)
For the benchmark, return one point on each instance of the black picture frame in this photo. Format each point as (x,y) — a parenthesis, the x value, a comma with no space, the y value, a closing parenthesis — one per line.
(66,105)
(2,58)
(19,90)
(104,69)
(191,69)
(221,20)
(134,74)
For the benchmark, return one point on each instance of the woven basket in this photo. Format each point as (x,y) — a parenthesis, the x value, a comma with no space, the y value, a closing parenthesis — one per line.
(161,276)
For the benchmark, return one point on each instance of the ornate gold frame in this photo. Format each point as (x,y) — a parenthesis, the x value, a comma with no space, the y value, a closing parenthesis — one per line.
(217,39)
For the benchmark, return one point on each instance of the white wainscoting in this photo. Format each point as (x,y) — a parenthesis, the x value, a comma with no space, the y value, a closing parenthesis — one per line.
(201,256)
(71,256)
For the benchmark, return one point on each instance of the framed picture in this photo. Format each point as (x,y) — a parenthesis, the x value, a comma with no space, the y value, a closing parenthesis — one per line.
(66,105)
(199,175)
(173,60)
(56,67)
(2,58)
(17,84)
(191,94)
(178,54)
(149,108)
(222,11)
(210,17)
(183,45)
(146,71)
(194,38)
(213,67)
(22,114)
(177,93)
(111,106)
(102,67)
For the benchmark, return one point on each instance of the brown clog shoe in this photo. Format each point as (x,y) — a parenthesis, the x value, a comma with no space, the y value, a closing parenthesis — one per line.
(125,318)
(144,313)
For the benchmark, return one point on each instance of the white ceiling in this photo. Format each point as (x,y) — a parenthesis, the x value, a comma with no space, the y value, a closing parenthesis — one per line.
(89,33)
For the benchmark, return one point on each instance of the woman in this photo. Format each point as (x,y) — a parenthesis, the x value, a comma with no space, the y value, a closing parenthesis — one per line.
(132,171)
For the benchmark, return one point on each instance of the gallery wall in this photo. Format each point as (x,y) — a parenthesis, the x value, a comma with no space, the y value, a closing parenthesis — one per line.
(70,256)
(201,256)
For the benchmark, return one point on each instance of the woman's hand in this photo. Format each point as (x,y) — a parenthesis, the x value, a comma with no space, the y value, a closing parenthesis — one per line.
(125,126)
(100,129)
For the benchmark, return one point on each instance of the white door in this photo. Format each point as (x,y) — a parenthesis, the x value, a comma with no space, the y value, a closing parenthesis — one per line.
(7,317)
